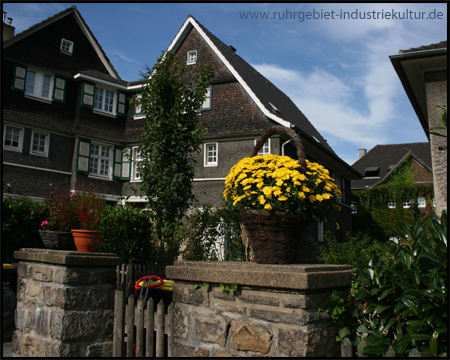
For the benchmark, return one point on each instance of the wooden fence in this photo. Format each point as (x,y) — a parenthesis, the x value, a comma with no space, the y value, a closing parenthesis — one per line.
(142,330)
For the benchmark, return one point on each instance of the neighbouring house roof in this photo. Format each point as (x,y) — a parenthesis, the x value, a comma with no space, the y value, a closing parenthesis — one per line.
(382,159)
(85,28)
(276,105)
(439,45)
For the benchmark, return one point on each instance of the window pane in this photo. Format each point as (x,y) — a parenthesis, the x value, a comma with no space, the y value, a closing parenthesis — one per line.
(30,82)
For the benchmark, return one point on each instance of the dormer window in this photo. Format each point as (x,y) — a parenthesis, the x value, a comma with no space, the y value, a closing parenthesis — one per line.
(191,57)
(372,172)
(66,47)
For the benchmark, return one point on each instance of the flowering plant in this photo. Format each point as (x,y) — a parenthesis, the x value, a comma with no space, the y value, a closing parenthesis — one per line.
(60,204)
(89,205)
(273,182)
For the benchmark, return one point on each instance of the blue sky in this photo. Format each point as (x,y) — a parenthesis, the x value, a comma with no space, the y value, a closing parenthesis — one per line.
(337,71)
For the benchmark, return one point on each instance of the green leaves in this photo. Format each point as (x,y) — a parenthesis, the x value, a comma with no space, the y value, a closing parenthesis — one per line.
(170,102)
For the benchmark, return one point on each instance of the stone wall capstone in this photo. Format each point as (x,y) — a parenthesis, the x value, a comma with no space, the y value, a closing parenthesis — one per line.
(65,303)
(273,313)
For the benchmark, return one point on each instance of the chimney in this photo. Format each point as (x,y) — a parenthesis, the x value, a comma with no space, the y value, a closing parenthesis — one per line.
(8,29)
(362,152)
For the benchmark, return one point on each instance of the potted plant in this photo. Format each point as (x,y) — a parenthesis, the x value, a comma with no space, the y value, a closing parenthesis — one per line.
(89,206)
(278,197)
(55,232)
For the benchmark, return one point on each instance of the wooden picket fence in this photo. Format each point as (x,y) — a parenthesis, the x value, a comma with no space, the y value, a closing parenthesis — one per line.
(140,329)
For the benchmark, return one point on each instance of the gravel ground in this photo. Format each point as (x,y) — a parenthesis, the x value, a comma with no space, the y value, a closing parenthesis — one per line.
(7,351)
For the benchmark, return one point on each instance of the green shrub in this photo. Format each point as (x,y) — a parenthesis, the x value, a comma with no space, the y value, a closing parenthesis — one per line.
(127,232)
(213,234)
(355,251)
(21,220)
(403,302)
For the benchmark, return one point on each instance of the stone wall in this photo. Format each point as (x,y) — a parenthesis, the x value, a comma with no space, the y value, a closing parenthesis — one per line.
(273,313)
(65,303)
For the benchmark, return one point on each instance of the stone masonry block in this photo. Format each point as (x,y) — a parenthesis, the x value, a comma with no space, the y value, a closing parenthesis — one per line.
(101,298)
(42,273)
(34,289)
(186,294)
(212,328)
(188,351)
(41,322)
(288,342)
(75,276)
(302,318)
(181,321)
(249,336)
(76,325)
(262,300)
(64,297)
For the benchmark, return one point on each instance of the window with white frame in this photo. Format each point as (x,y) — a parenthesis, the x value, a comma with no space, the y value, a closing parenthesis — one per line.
(391,204)
(211,154)
(421,202)
(265,149)
(100,160)
(207,103)
(39,84)
(191,57)
(406,203)
(320,231)
(136,176)
(103,100)
(66,46)
(12,138)
(39,143)
(354,208)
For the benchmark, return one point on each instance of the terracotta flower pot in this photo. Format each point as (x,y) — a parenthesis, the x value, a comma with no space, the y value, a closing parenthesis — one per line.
(86,240)
(57,240)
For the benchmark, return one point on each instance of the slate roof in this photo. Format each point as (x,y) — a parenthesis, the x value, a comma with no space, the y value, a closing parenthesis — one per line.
(56,17)
(387,157)
(266,92)
(440,45)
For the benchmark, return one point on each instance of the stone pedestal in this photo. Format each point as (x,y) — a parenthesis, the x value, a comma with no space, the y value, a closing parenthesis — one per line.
(273,313)
(65,303)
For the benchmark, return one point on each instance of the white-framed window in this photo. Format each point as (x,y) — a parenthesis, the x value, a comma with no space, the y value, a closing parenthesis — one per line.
(39,84)
(104,100)
(406,203)
(320,231)
(191,57)
(207,103)
(12,138)
(39,143)
(421,202)
(211,154)
(391,204)
(66,46)
(100,162)
(354,208)
(265,149)
(138,108)
(136,176)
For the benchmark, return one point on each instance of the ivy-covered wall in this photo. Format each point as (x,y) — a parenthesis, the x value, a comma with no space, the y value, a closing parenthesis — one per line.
(408,181)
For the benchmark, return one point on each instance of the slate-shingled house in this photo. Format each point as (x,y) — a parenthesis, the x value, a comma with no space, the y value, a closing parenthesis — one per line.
(83,139)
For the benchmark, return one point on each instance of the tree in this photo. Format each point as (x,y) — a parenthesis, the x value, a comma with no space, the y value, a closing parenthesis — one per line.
(169,142)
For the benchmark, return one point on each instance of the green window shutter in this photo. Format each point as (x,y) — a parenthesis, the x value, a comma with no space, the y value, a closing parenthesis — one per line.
(83,153)
(19,78)
(126,164)
(207,103)
(87,94)
(59,90)
(138,108)
(121,103)
(117,172)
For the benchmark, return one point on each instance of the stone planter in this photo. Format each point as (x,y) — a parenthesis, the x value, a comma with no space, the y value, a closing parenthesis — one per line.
(57,240)
(86,240)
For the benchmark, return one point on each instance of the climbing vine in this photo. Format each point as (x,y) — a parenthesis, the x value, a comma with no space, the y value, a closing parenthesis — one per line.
(379,219)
